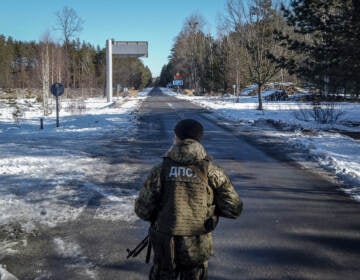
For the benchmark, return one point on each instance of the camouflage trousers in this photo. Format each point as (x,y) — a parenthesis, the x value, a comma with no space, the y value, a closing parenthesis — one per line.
(180,256)
(191,273)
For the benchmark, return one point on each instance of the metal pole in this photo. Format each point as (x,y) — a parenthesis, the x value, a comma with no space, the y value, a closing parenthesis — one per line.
(237,80)
(57,111)
(109,89)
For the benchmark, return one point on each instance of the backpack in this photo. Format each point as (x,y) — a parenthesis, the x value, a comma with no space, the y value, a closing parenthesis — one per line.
(187,205)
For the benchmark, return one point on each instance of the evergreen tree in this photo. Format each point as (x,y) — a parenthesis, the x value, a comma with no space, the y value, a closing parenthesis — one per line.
(166,75)
(6,61)
(326,42)
(22,66)
(219,65)
(351,48)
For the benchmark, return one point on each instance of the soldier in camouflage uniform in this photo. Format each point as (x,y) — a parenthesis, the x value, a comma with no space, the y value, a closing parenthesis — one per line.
(182,198)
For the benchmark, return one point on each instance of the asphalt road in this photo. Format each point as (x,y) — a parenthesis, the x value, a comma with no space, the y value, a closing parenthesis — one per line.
(295,224)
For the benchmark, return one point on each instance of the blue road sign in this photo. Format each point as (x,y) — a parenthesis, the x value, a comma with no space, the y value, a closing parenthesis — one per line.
(57,89)
(178,82)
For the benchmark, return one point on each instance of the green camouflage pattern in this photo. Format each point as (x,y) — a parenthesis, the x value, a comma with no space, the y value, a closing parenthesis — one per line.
(146,205)
(192,250)
(199,272)
(188,251)
(180,255)
(227,201)
(185,200)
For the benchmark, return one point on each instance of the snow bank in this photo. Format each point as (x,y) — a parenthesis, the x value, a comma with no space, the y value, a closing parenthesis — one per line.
(48,176)
(5,275)
(335,152)
(71,250)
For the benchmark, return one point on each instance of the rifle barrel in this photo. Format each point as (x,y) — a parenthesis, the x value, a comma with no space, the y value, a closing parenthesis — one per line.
(133,253)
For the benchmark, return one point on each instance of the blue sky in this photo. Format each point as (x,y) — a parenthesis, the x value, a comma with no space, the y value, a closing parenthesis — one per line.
(157,21)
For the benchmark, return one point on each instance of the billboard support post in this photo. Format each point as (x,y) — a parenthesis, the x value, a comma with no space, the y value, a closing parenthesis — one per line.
(109,88)
(121,49)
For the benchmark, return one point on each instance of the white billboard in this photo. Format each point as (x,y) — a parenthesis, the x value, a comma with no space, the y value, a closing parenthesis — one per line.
(130,48)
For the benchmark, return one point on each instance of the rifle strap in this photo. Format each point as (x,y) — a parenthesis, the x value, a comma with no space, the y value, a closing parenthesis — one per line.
(148,253)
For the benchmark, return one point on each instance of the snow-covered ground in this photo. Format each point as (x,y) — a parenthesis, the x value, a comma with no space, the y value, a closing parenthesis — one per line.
(48,175)
(336,152)
(5,275)
(56,160)
(40,168)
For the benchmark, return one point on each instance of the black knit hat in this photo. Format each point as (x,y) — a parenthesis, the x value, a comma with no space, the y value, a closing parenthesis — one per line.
(189,128)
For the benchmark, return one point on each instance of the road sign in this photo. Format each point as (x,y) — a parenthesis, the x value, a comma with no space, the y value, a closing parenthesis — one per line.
(121,49)
(178,82)
(57,89)
(130,48)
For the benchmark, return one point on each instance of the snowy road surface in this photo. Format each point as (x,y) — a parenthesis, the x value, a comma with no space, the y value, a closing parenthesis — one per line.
(295,225)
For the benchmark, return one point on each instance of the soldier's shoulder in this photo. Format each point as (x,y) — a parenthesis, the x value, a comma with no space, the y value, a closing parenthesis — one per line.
(155,173)
(156,168)
(215,170)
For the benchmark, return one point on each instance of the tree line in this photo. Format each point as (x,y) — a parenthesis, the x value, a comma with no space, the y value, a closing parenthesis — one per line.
(74,63)
(315,43)
(23,64)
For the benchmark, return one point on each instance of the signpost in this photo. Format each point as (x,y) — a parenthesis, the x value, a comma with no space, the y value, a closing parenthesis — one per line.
(178,81)
(57,90)
(121,49)
(130,48)
(236,93)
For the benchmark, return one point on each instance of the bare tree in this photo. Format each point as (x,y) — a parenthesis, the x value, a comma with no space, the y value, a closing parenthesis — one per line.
(192,27)
(57,64)
(45,71)
(254,22)
(69,24)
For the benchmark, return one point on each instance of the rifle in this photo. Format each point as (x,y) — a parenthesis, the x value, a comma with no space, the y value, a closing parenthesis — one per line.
(136,251)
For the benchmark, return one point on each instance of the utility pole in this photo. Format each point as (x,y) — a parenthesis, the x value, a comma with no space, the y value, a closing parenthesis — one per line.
(109,81)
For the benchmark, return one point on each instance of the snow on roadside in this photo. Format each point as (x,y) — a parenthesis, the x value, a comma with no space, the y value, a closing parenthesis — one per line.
(5,275)
(49,175)
(69,249)
(337,153)
(45,174)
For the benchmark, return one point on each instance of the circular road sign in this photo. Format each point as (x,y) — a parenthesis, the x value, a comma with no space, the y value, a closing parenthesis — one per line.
(57,89)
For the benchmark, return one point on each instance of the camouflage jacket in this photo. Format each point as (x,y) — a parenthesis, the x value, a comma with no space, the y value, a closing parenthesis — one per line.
(227,201)
(189,249)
